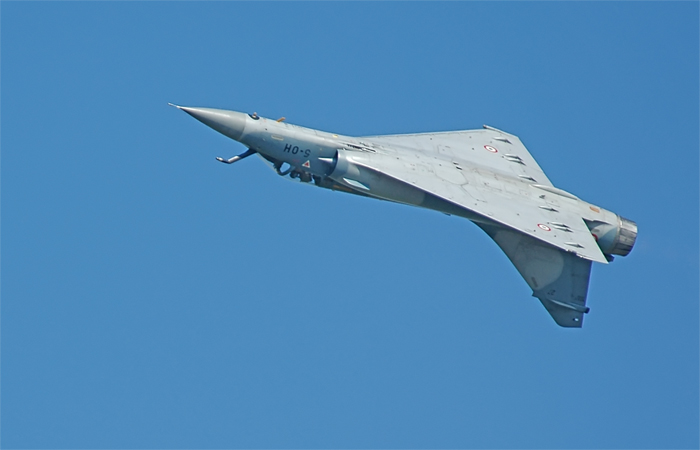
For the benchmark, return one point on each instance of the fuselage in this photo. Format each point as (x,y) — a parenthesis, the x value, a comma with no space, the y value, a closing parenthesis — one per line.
(354,165)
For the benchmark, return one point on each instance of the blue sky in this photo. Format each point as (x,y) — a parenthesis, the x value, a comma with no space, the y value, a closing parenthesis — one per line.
(154,298)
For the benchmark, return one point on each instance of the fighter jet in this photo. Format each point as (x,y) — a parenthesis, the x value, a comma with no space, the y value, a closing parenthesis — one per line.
(484,175)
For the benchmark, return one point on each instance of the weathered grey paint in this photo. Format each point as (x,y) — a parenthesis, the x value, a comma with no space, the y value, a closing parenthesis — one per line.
(486,176)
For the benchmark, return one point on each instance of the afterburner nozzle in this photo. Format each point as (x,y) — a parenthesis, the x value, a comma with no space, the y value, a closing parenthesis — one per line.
(626,238)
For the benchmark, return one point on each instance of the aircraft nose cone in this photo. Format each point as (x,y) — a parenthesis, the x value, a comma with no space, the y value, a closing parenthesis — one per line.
(228,123)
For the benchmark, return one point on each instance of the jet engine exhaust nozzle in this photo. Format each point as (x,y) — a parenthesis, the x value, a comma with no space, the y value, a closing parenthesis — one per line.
(627,236)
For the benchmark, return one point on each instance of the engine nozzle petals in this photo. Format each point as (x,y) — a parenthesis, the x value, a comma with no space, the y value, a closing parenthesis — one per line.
(627,236)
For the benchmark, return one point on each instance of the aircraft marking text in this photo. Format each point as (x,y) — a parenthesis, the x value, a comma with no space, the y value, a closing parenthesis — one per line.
(295,149)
